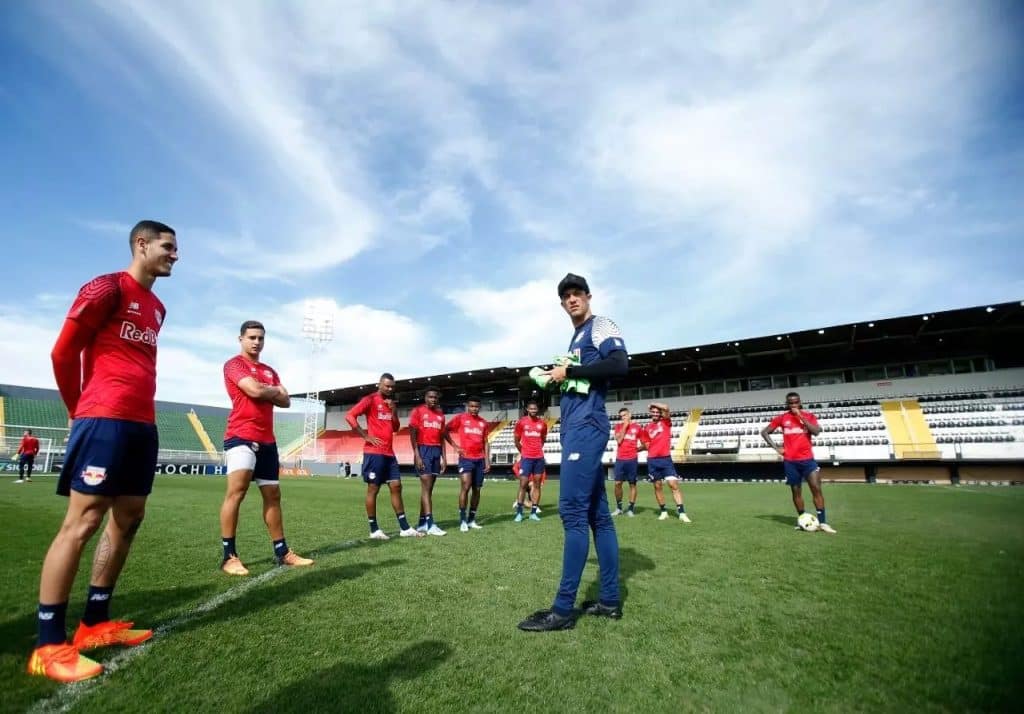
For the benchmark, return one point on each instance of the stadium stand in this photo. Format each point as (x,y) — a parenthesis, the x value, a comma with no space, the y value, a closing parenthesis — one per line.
(176,432)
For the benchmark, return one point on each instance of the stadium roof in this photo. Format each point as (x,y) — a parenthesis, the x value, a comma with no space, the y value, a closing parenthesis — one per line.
(987,331)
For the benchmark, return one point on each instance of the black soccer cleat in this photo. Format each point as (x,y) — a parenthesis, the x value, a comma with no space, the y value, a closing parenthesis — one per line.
(546,620)
(592,607)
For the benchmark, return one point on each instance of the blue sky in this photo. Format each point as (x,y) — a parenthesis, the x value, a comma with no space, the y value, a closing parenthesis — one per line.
(434,169)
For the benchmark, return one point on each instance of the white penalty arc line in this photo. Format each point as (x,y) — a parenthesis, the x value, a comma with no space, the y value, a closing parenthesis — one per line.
(69,695)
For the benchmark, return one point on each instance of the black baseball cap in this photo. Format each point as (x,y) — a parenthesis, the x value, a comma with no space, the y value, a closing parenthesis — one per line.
(571,280)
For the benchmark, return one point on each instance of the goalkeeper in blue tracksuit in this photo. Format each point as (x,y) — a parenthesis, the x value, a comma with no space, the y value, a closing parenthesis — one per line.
(598,354)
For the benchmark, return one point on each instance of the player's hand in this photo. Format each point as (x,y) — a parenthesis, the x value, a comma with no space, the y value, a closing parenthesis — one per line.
(779,451)
(444,465)
(376,441)
(487,467)
(418,463)
(557,374)
(795,411)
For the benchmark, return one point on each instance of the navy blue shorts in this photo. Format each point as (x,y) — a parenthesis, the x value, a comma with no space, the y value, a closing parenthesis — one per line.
(431,457)
(531,467)
(798,471)
(109,457)
(661,467)
(380,469)
(625,470)
(260,458)
(473,467)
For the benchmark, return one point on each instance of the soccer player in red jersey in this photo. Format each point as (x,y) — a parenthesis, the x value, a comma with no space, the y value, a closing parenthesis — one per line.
(474,459)
(104,363)
(627,436)
(250,449)
(657,437)
(530,433)
(426,425)
(797,454)
(27,450)
(379,463)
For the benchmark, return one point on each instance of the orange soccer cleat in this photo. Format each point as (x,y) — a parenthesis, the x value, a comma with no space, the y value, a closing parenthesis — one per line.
(294,559)
(62,663)
(111,632)
(233,566)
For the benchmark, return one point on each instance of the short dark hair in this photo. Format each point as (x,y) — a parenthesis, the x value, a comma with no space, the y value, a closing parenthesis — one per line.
(150,230)
(28,431)
(792,394)
(623,410)
(473,398)
(534,402)
(386,375)
(435,390)
(251,325)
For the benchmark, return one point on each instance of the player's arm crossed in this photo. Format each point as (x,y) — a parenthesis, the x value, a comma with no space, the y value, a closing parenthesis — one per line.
(264,392)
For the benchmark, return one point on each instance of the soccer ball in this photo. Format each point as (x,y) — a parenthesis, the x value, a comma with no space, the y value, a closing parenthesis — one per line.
(807,522)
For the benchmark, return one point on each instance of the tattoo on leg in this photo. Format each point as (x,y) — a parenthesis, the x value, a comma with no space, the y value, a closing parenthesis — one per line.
(104,549)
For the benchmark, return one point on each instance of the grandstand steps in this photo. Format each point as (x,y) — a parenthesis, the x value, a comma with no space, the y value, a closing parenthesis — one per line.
(204,438)
(3,420)
(496,428)
(682,447)
(293,449)
(910,434)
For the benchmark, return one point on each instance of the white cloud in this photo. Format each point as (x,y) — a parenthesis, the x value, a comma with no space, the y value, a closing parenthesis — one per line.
(696,164)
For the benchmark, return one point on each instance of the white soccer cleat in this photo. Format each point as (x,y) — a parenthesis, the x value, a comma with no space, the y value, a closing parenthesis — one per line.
(617,512)
(379,535)
(663,516)
(422,528)
(630,513)
(434,530)
(464,527)
(475,526)
(411,533)
(684,518)
(826,528)
(20,480)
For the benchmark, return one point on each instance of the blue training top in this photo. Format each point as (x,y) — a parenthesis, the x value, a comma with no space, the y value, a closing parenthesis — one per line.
(594,340)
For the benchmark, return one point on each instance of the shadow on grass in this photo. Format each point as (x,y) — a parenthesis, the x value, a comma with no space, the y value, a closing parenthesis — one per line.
(322,551)
(787,520)
(276,593)
(630,563)
(18,636)
(347,687)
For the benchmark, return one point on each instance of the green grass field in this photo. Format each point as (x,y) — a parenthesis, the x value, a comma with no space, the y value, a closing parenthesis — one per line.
(917,604)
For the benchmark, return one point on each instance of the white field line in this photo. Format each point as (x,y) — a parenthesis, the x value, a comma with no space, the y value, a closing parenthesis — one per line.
(69,695)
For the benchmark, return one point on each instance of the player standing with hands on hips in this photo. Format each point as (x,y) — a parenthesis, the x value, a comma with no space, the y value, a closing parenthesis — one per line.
(598,346)
(797,455)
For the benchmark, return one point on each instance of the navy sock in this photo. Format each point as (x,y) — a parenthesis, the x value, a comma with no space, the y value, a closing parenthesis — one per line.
(229,547)
(280,548)
(534,509)
(97,605)
(429,520)
(632,505)
(800,513)
(402,522)
(373,524)
(52,626)
(472,515)
(680,508)
(462,515)
(663,508)
(422,521)
(821,516)
(519,507)
(618,505)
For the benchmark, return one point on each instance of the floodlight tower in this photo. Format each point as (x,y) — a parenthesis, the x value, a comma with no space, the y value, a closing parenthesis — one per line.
(318,329)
